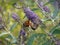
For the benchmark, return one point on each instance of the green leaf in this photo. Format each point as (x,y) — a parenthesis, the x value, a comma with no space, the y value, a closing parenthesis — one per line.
(55,13)
(47,3)
(33,36)
(13,26)
(8,34)
(14,41)
(12,38)
(8,41)
(55,29)
(34,9)
(4,33)
(50,1)
(8,19)
(48,42)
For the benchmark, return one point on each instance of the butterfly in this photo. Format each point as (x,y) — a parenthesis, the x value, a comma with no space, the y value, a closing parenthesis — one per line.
(28,23)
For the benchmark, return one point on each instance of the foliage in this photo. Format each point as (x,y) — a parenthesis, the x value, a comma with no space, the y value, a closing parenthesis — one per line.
(46,21)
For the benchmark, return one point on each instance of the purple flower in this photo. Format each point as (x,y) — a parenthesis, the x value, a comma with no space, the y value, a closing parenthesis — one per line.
(32,16)
(46,9)
(15,17)
(22,32)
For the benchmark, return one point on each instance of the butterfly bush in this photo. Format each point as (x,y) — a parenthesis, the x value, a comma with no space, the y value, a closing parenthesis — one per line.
(22,37)
(22,32)
(15,17)
(32,16)
(25,31)
(43,7)
(46,9)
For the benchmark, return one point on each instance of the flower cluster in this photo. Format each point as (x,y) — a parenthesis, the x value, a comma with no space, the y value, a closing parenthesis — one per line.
(32,16)
(15,17)
(23,35)
(44,8)
(22,32)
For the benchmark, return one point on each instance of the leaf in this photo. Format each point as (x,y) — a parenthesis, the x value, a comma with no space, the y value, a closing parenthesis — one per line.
(50,1)
(13,26)
(14,41)
(55,29)
(47,3)
(4,33)
(48,42)
(31,39)
(8,20)
(8,41)
(34,9)
(11,39)
(12,1)
(55,13)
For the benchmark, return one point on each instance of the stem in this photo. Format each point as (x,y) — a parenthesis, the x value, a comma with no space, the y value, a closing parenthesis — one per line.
(38,4)
(9,33)
(19,39)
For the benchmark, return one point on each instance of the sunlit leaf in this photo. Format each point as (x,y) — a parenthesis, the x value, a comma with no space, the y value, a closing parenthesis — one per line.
(4,33)
(13,26)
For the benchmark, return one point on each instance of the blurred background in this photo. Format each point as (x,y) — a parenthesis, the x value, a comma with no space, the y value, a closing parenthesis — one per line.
(12,18)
